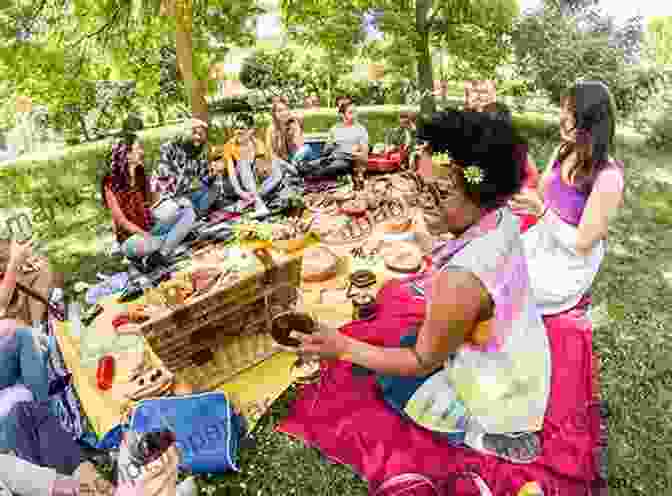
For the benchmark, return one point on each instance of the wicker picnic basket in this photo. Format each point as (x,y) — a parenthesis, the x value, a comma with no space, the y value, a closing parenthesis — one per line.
(220,334)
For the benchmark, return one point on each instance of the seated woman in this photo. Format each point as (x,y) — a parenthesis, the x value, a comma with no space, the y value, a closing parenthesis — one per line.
(276,137)
(142,237)
(23,367)
(239,159)
(579,194)
(347,147)
(477,371)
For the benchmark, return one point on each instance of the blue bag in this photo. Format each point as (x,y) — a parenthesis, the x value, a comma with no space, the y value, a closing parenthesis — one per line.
(207,430)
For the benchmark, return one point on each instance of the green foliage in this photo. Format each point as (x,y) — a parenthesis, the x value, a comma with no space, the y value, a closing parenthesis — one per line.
(57,58)
(553,52)
(475,32)
(330,25)
(654,117)
(272,73)
(659,35)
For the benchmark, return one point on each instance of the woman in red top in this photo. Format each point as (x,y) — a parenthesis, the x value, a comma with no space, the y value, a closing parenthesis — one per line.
(126,193)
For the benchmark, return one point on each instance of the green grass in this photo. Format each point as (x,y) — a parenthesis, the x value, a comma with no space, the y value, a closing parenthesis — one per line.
(632,315)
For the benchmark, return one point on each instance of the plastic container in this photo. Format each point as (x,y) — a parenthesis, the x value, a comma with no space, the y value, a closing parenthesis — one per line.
(105,373)
(75,317)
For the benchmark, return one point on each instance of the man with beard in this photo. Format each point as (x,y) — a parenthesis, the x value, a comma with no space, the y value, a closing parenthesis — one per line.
(182,175)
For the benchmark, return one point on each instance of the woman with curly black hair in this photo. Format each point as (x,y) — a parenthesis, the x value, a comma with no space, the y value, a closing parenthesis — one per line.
(126,192)
(477,370)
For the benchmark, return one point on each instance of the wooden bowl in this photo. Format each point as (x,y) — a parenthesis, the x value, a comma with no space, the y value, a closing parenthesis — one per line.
(285,323)
(402,257)
(354,207)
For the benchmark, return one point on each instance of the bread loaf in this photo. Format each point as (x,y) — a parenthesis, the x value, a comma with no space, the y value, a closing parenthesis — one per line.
(319,264)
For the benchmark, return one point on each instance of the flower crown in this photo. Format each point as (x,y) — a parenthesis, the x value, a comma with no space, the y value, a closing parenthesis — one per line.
(473,174)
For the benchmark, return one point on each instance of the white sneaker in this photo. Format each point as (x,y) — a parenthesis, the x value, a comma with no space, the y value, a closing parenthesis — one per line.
(187,487)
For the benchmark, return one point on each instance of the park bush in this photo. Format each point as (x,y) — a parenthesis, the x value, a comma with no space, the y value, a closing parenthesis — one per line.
(654,118)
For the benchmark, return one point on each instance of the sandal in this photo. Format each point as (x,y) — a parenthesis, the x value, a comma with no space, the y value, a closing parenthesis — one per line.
(518,448)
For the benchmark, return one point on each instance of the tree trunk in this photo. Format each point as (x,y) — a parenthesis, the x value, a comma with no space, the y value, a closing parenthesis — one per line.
(82,125)
(160,114)
(196,90)
(425,80)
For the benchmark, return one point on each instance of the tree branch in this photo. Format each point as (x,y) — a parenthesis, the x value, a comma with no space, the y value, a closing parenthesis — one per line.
(433,18)
(99,31)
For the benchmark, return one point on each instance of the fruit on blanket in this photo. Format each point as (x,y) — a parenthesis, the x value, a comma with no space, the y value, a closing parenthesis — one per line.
(319,264)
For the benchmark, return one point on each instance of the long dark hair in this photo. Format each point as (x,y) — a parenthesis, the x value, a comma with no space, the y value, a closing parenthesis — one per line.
(118,177)
(595,116)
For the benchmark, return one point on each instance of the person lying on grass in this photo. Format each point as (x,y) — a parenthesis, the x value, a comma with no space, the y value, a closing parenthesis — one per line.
(477,371)
(579,194)
(146,236)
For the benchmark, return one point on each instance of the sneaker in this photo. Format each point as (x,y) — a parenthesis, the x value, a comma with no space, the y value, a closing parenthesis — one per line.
(155,261)
(192,237)
(519,448)
(261,212)
(187,487)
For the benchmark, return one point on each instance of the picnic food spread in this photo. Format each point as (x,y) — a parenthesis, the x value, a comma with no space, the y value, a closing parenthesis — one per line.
(209,320)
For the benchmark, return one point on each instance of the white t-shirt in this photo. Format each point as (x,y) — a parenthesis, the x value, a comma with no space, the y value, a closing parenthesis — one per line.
(346,137)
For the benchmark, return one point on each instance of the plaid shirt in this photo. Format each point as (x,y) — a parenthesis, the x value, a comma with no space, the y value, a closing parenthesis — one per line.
(178,173)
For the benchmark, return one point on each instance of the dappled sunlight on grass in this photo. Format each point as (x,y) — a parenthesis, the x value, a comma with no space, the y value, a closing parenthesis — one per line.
(659,205)
(619,249)
(659,174)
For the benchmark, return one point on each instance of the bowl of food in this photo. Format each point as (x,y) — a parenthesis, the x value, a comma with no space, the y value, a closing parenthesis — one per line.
(286,323)
(354,207)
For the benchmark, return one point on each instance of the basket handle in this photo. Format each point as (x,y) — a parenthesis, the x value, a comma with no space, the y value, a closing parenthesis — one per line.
(265,257)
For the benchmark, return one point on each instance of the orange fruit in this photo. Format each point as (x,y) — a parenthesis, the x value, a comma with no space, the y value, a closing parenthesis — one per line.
(482,333)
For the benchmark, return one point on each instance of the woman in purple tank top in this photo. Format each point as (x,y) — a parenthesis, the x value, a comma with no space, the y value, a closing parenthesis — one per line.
(580,193)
